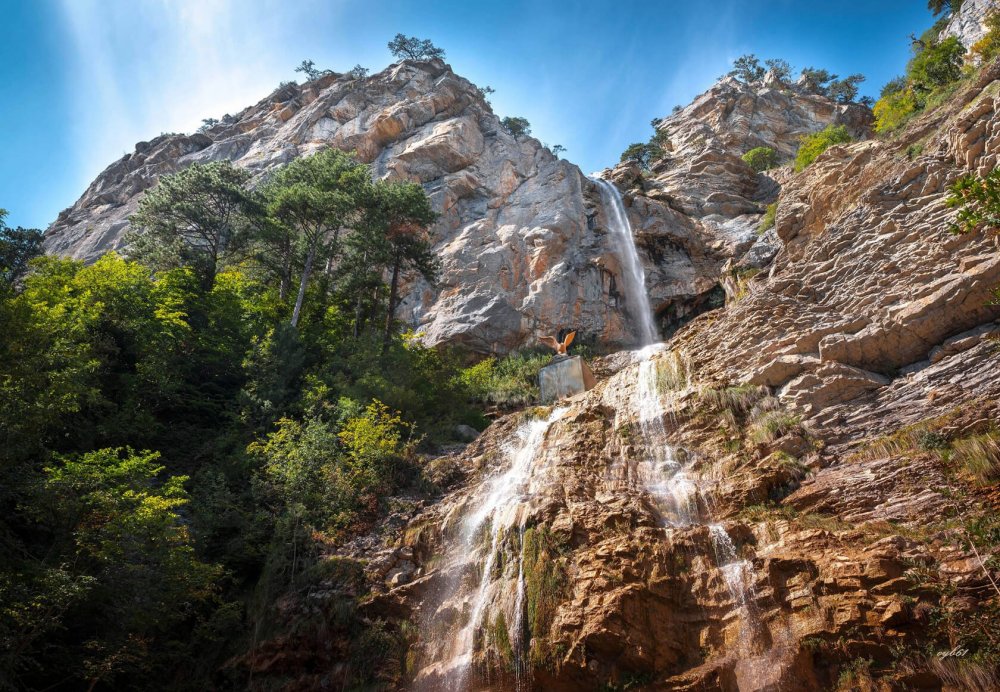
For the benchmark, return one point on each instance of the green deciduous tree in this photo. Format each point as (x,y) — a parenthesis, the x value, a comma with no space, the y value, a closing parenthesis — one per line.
(936,65)
(201,217)
(18,246)
(413,48)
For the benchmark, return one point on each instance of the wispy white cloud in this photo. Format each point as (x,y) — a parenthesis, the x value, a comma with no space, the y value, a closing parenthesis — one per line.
(142,67)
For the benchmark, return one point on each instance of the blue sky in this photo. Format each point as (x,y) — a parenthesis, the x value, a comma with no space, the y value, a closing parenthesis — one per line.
(81,81)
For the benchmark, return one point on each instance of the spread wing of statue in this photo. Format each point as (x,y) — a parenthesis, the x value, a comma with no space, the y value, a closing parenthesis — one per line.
(560,348)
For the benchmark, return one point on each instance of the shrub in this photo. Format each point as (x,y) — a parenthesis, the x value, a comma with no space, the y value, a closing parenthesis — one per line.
(642,153)
(988,47)
(761,158)
(894,109)
(767,220)
(936,65)
(815,144)
(516,126)
(978,200)
(508,382)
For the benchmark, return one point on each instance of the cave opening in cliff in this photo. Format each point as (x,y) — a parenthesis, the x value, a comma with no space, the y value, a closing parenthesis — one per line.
(676,314)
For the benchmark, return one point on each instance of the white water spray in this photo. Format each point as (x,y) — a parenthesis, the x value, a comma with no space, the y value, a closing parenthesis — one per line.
(501,505)
(633,275)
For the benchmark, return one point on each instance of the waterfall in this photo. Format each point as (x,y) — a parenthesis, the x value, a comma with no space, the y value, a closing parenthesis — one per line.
(633,275)
(668,481)
(498,512)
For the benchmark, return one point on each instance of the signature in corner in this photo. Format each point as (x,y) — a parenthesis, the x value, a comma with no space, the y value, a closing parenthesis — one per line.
(957,652)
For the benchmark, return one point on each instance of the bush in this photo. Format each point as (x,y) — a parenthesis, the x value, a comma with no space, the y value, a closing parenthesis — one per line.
(761,158)
(509,382)
(936,65)
(815,144)
(767,220)
(894,109)
(643,154)
(988,47)
(516,126)
(978,200)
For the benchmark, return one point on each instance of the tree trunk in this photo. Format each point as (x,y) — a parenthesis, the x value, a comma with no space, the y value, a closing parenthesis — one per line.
(391,312)
(306,270)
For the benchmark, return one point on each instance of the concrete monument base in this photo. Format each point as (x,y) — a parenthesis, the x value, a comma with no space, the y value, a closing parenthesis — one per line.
(563,377)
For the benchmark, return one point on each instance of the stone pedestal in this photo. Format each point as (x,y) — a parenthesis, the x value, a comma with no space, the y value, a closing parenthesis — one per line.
(563,377)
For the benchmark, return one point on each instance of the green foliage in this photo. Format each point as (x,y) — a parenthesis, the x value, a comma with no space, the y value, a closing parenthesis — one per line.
(309,69)
(545,586)
(938,6)
(978,202)
(643,154)
(845,90)
(767,220)
(931,74)
(508,382)
(413,48)
(281,426)
(200,217)
(516,127)
(894,109)
(988,47)
(761,158)
(118,575)
(18,246)
(747,69)
(781,70)
(815,144)
(936,65)
(816,80)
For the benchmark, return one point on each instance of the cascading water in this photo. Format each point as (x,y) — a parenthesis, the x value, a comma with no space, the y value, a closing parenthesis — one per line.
(668,481)
(633,275)
(664,477)
(500,506)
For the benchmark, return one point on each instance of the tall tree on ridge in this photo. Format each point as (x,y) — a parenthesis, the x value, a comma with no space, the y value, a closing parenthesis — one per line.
(200,217)
(314,198)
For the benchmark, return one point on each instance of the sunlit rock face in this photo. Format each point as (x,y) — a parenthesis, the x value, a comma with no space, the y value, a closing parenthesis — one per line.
(968,24)
(523,236)
(703,201)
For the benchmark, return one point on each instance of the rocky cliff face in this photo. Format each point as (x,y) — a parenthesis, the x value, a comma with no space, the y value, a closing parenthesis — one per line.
(523,234)
(969,23)
(703,190)
(774,501)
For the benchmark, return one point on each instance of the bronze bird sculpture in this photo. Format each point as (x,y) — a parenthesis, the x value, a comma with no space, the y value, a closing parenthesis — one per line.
(560,348)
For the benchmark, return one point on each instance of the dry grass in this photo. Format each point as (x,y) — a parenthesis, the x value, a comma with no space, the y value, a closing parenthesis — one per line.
(979,457)
(965,675)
